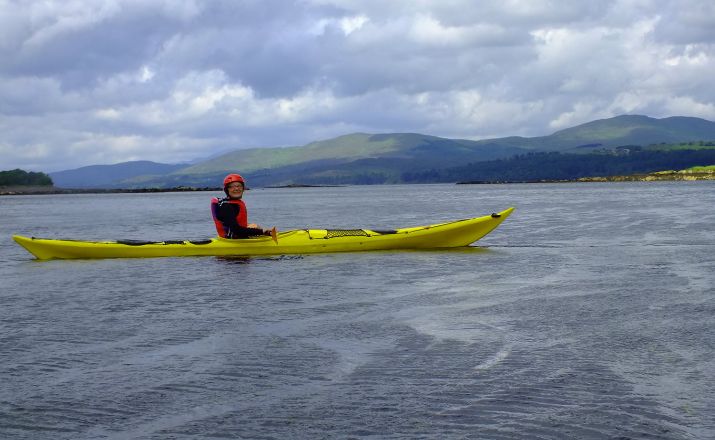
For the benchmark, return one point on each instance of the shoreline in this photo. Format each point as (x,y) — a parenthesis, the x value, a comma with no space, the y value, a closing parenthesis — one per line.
(301,185)
(41,190)
(19,190)
(663,176)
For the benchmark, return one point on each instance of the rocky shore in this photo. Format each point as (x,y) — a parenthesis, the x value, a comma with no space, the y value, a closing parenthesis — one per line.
(683,175)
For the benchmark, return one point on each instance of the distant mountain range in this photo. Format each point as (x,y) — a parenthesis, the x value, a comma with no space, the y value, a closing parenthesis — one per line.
(362,158)
(106,176)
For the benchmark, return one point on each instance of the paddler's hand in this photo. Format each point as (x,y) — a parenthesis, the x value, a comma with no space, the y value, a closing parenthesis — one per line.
(273,233)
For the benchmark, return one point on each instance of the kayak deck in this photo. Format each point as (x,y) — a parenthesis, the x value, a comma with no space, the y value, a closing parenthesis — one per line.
(302,241)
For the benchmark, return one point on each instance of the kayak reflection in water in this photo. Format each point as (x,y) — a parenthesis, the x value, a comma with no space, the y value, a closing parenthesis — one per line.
(230,214)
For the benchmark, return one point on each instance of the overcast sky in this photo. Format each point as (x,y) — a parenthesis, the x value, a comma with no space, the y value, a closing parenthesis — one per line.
(100,82)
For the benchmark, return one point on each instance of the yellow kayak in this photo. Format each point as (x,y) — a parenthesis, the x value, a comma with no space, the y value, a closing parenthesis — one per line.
(301,241)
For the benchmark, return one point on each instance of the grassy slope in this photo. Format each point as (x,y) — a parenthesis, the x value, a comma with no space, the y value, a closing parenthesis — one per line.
(701,169)
(709,169)
(363,154)
(357,156)
(629,130)
(352,146)
(613,132)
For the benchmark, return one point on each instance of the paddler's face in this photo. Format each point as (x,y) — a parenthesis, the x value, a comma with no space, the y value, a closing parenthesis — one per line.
(235,190)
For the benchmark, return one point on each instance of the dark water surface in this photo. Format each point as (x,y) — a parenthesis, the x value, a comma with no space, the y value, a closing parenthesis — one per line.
(589,314)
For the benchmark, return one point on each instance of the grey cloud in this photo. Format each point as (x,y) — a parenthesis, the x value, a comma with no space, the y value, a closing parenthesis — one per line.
(686,22)
(80,56)
(113,78)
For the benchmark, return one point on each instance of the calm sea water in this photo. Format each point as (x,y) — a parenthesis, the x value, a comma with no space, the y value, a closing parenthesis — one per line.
(589,314)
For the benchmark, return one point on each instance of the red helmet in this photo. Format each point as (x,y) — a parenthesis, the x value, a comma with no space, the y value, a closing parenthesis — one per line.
(233,178)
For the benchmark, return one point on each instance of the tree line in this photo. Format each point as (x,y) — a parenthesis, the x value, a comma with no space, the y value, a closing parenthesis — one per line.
(24,178)
(534,167)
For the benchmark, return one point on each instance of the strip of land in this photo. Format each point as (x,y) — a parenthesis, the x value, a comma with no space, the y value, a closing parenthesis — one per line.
(690,174)
(40,190)
(695,173)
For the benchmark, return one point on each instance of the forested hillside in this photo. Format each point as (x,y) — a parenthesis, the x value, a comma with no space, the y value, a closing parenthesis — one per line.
(533,167)
(18,177)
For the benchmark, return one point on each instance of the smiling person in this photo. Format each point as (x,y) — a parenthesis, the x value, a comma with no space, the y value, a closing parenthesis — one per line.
(230,214)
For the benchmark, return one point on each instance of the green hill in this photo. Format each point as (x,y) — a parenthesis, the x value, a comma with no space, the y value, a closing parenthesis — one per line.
(354,158)
(635,130)
(362,158)
(615,132)
(385,158)
(348,148)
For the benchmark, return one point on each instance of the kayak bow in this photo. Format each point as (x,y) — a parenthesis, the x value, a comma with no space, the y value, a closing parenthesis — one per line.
(301,241)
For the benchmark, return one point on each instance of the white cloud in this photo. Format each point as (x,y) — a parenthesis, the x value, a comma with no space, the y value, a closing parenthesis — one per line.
(580,112)
(146,74)
(692,55)
(680,105)
(347,25)
(427,30)
(352,24)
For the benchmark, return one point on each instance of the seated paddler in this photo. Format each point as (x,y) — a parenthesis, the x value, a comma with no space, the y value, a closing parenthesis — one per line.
(230,214)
